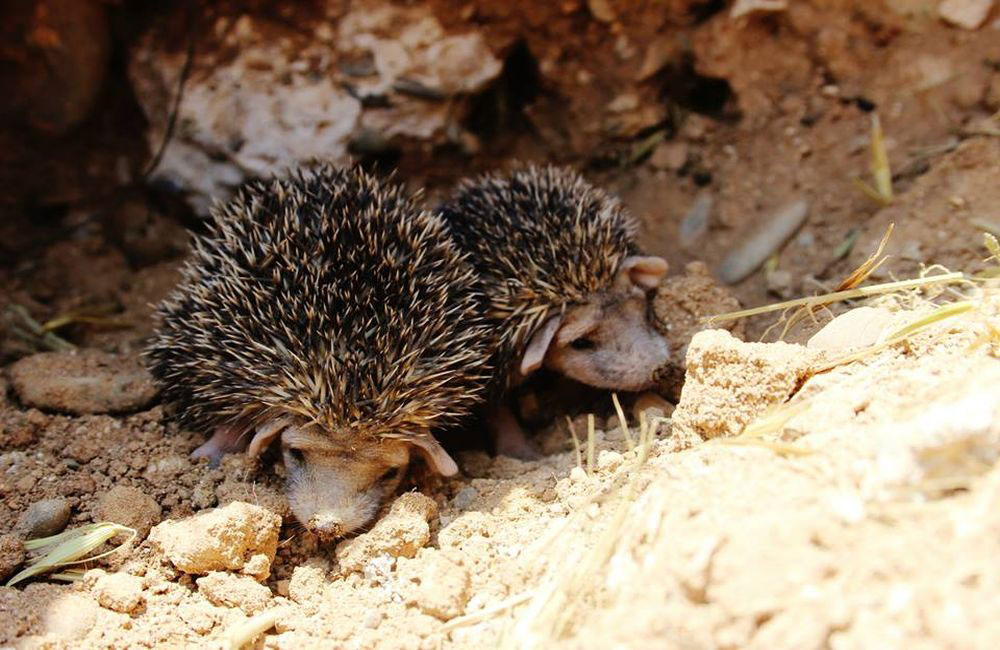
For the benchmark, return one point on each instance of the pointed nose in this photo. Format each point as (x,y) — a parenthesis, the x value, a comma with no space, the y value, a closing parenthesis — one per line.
(325,527)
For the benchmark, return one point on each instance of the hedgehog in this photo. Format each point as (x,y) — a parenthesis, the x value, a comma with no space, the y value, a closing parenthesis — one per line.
(566,284)
(326,311)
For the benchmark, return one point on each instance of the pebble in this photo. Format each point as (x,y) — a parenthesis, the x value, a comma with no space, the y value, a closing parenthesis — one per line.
(608,461)
(623,102)
(670,156)
(130,507)
(652,405)
(119,592)
(748,257)
(577,474)
(858,328)
(228,590)
(465,497)
(967,14)
(82,382)
(696,222)
(743,7)
(43,519)
(602,10)
(781,283)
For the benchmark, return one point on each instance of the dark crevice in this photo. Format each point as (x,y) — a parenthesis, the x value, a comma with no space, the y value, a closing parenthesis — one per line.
(500,108)
(702,11)
(710,96)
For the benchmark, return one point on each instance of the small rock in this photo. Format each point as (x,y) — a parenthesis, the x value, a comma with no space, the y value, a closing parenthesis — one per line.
(696,222)
(622,103)
(670,156)
(967,14)
(578,474)
(373,619)
(781,283)
(652,405)
(659,53)
(401,533)
(307,583)
(230,590)
(130,507)
(778,227)
(119,592)
(239,536)
(82,382)
(435,584)
(465,497)
(11,555)
(730,383)
(609,461)
(602,10)
(624,48)
(43,518)
(858,328)
(744,7)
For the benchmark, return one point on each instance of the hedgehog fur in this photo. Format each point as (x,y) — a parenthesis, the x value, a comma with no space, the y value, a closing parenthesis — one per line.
(540,238)
(330,296)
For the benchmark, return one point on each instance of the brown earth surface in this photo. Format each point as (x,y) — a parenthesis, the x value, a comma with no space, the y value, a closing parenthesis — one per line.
(864,515)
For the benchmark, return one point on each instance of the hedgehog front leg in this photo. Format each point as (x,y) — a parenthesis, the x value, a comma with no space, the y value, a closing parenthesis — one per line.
(227,439)
(508,436)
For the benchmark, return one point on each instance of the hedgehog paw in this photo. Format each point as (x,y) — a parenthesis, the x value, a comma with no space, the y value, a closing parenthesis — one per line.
(509,438)
(227,439)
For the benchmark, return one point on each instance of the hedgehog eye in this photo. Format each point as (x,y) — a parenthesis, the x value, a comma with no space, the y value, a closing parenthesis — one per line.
(390,475)
(296,454)
(582,343)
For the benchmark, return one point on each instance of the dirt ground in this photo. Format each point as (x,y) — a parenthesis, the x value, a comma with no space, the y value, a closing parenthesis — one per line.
(863,514)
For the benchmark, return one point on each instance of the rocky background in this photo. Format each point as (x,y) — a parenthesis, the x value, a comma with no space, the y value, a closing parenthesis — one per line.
(741,135)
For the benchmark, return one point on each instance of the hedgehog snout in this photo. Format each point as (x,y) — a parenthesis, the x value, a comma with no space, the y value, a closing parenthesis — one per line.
(325,526)
(335,490)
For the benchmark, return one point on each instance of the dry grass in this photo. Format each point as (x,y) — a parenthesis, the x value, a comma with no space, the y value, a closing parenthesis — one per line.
(70,548)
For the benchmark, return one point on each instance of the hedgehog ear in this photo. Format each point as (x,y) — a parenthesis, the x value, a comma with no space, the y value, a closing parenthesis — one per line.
(644,271)
(435,455)
(266,434)
(538,345)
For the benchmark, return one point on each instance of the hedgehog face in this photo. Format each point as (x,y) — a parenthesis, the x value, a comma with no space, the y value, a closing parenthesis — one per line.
(609,345)
(336,489)
(607,341)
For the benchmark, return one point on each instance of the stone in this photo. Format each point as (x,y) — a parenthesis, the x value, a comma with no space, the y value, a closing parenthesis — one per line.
(43,519)
(236,537)
(857,328)
(967,14)
(130,507)
(730,383)
(82,382)
(400,533)
(119,592)
(230,590)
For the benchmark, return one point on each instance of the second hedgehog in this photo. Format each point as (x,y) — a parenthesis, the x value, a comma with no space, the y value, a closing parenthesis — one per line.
(565,281)
(328,312)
